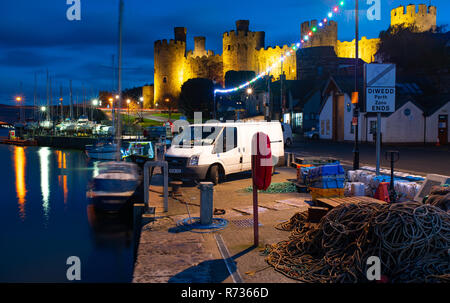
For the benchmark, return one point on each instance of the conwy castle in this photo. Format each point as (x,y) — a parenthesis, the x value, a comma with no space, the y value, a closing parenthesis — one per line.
(244,50)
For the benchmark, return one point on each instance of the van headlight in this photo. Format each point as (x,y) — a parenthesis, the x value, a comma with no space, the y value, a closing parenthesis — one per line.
(193,161)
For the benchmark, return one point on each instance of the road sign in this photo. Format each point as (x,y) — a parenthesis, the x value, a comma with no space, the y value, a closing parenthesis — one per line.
(380,88)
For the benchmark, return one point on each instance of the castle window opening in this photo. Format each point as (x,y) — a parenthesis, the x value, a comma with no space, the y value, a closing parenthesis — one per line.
(165,80)
(229,47)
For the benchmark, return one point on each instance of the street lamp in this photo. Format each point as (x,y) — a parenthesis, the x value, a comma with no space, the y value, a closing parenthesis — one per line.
(19,99)
(128,110)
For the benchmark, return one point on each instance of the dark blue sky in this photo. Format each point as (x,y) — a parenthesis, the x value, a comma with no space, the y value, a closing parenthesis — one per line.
(35,35)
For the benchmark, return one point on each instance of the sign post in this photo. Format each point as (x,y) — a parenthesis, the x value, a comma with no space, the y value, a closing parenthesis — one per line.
(380,95)
(261,174)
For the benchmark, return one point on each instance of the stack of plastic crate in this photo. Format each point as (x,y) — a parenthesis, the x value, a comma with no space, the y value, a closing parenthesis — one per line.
(326,181)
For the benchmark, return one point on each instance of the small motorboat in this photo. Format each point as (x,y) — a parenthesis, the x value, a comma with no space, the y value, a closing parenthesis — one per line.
(114,185)
(139,152)
(102,150)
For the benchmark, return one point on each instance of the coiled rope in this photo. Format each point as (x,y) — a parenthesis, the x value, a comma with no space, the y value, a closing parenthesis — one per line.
(411,240)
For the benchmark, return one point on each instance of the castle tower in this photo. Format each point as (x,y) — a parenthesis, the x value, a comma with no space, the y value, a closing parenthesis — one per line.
(240,48)
(169,62)
(200,47)
(423,17)
(325,35)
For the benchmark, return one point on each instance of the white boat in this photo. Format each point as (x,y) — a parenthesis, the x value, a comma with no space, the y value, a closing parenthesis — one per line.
(114,185)
(102,150)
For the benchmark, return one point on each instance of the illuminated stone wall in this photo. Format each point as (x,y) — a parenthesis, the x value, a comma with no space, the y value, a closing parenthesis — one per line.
(148,92)
(422,16)
(367,49)
(266,57)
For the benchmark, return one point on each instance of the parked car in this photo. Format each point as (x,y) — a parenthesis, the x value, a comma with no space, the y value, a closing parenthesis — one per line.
(313,134)
(287,134)
(212,151)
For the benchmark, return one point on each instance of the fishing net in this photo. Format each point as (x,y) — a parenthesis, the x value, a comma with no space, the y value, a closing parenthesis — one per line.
(411,239)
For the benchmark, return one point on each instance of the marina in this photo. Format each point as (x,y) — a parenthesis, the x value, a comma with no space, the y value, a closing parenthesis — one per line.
(45,211)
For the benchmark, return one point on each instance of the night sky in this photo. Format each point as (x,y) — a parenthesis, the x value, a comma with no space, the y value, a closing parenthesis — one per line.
(35,35)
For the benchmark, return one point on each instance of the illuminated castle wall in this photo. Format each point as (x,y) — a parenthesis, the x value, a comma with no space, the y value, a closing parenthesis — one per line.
(244,50)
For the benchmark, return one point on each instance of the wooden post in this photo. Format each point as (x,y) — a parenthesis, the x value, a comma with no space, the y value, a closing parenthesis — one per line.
(255,209)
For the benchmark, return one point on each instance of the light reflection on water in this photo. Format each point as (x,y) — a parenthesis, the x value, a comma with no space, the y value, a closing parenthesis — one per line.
(20,162)
(45,217)
(44,165)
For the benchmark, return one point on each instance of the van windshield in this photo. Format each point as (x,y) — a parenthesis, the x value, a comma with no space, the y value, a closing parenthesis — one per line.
(197,136)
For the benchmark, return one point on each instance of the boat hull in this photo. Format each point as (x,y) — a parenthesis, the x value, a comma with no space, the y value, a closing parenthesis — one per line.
(101,155)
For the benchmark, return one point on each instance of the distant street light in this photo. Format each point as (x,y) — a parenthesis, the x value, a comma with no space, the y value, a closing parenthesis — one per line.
(95,102)
(249,91)
(43,109)
(19,99)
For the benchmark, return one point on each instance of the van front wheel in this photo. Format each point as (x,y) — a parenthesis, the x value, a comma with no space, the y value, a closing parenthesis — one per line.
(214,174)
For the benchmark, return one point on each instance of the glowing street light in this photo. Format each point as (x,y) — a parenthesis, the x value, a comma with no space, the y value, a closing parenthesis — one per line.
(43,109)
(95,102)
(128,101)
(249,91)
(18,98)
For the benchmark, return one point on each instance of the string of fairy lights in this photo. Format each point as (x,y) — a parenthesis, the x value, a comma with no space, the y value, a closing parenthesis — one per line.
(294,47)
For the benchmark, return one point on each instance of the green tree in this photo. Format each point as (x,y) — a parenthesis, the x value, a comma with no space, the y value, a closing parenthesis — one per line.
(197,96)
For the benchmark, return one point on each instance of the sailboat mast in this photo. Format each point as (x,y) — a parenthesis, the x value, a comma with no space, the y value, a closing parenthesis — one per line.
(61,100)
(34,98)
(71,101)
(119,84)
(48,99)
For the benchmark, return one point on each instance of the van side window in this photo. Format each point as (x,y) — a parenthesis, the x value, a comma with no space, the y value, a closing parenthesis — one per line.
(229,138)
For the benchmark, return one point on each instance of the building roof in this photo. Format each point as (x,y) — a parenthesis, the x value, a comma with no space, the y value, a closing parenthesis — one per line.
(300,90)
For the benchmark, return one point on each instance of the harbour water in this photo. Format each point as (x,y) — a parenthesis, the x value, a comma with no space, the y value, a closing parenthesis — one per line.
(45,218)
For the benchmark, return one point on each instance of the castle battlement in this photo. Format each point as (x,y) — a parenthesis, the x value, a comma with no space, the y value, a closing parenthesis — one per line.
(209,54)
(413,10)
(275,48)
(422,16)
(307,26)
(167,44)
(234,33)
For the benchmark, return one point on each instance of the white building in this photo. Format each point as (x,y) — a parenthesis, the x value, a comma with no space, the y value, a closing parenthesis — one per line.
(417,119)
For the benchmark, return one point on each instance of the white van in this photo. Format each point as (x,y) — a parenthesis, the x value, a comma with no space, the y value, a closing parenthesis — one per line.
(212,151)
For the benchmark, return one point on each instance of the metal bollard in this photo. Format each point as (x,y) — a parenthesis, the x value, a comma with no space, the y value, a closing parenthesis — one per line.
(206,202)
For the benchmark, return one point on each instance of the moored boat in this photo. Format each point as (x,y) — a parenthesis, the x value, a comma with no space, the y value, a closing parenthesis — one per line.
(139,152)
(102,150)
(114,185)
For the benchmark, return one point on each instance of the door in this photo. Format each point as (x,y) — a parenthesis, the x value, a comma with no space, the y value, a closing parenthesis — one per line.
(443,129)
(226,150)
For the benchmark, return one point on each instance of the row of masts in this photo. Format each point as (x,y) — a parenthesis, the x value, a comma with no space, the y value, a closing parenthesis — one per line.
(57,109)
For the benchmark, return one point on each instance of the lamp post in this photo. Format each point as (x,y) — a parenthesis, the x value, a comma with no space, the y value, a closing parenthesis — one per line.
(128,110)
(95,104)
(19,100)
(142,106)
(356,108)
(214,102)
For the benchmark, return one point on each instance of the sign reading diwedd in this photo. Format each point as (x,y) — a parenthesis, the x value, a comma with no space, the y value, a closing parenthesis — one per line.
(380,88)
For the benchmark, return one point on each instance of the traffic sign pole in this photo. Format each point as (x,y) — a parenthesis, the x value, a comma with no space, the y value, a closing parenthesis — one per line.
(378,142)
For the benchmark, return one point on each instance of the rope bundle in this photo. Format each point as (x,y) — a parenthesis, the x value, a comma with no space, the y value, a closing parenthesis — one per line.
(412,241)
